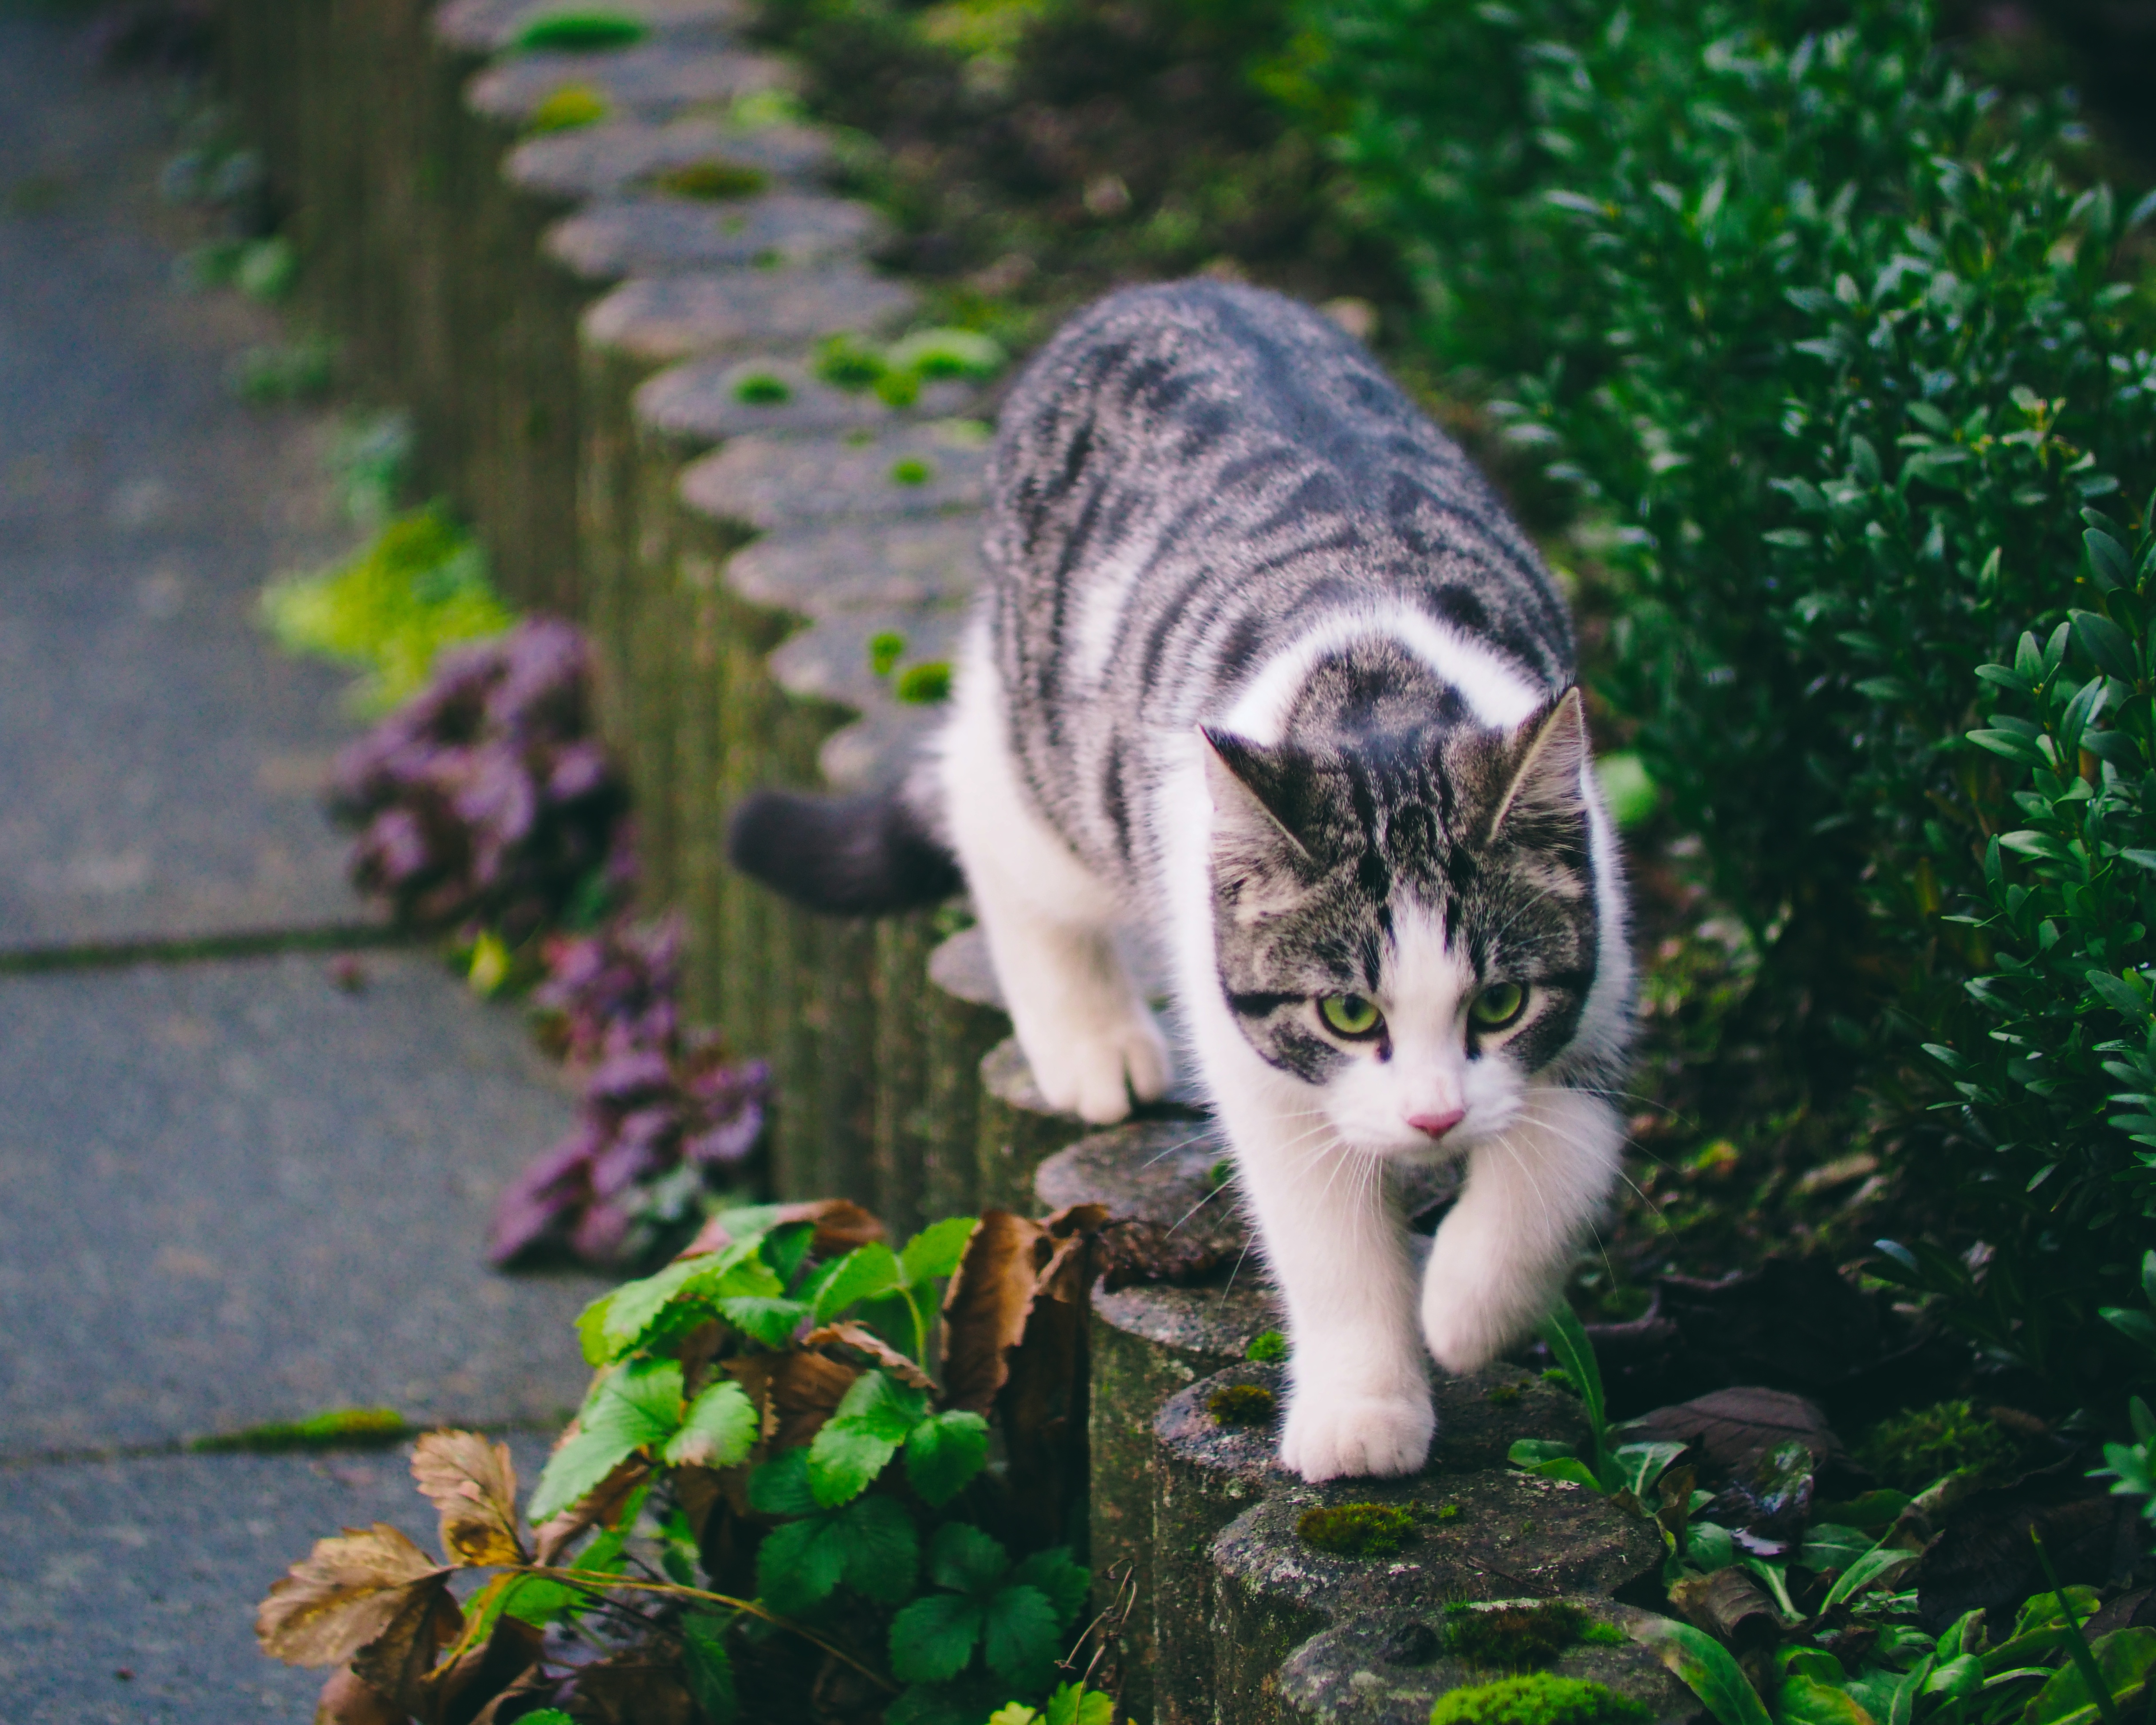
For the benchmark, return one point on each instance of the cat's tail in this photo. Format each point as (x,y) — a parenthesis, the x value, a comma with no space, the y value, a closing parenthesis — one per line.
(864,855)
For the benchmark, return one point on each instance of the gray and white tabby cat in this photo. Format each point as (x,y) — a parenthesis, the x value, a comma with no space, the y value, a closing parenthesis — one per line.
(1264,678)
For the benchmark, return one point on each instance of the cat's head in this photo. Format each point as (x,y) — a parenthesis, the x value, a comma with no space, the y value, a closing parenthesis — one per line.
(1406,915)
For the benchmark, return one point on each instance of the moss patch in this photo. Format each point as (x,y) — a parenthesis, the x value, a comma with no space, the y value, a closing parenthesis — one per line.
(580,32)
(565,109)
(1357,1530)
(713,181)
(924,685)
(340,1429)
(760,389)
(1537,1700)
(1268,1347)
(1242,1404)
(1910,1451)
(1513,1637)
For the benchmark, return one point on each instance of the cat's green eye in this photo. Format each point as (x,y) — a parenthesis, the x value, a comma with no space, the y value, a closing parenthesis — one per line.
(1498,1005)
(1350,1015)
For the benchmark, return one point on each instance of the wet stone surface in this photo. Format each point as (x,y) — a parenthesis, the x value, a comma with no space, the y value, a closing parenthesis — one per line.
(770,485)
(663,235)
(1389,1668)
(657,319)
(654,78)
(616,156)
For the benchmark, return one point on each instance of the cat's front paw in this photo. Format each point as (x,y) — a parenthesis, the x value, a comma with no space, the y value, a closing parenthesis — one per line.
(1094,1073)
(1330,1437)
(1465,1325)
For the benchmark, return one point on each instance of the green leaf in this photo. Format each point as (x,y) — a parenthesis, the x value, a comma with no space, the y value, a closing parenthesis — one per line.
(843,1461)
(1073,1704)
(943,1454)
(772,1322)
(1705,1666)
(639,1405)
(883,1551)
(879,1403)
(1573,1471)
(1805,1700)
(1019,1632)
(719,1430)
(2136,1326)
(1574,1352)
(1064,1583)
(709,1667)
(2108,561)
(2108,645)
(862,1274)
(2123,1661)
(963,1557)
(2012,745)
(1709,1546)
(936,1250)
(1527,1452)
(1830,1546)
(1639,1466)
(931,1640)
(1880,1561)
(799,1565)
(780,1486)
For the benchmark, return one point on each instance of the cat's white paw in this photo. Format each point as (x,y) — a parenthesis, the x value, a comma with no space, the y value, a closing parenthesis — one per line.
(1094,1074)
(1465,1331)
(1330,1437)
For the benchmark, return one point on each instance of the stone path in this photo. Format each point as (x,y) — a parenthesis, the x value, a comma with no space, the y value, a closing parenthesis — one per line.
(231,1192)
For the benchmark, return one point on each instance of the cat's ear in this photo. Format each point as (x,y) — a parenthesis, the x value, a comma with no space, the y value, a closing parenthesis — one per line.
(1546,803)
(1258,793)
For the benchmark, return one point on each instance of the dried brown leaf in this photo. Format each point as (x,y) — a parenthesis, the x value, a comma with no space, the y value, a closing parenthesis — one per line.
(454,1693)
(473,1483)
(349,1700)
(342,1596)
(634,1688)
(1041,1407)
(1736,1429)
(868,1342)
(985,1307)
(603,1504)
(397,1660)
(804,1388)
(1727,1603)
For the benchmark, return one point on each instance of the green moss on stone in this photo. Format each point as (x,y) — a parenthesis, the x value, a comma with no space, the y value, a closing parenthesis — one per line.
(1513,1637)
(1910,1451)
(565,109)
(1539,1699)
(1268,1347)
(340,1429)
(924,685)
(1503,1394)
(885,647)
(1357,1530)
(1242,1404)
(713,180)
(580,32)
(760,389)
(911,472)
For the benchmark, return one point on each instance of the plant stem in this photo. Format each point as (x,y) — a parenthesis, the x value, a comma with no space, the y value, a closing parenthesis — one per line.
(599,1581)
(2076,1642)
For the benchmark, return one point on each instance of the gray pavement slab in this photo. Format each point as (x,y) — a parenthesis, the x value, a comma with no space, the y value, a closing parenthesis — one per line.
(233,1193)
(160,761)
(153,1566)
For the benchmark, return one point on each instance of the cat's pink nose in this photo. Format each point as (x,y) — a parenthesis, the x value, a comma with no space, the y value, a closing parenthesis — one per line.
(1436,1126)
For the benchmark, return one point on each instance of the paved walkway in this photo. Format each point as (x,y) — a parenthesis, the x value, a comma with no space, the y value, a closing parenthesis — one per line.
(230,1191)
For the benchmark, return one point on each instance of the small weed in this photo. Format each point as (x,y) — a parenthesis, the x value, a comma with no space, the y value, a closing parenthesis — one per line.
(1268,1347)
(924,685)
(568,108)
(1910,1451)
(760,389)
(1357,1530)
(886,650)
(911,472)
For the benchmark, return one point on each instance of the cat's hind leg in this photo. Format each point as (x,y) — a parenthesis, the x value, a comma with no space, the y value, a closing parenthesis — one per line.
(1499,1259)
(1049,921)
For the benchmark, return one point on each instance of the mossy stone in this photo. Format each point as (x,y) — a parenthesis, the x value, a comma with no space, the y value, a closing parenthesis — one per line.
(655,236)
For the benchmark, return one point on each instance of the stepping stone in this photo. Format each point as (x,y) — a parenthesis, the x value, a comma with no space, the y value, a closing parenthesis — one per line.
(654,79)
(831,663)
(152,1566)
(709,400)
(236,1193)
(840,570)
(664,235)
(653,321)
(600,161)
(767,485)
(489,26)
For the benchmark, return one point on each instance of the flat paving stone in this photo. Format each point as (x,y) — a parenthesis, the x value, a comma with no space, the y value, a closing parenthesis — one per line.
(599,161)
(489,26)
(658,77)
(160,761)
(153,1566)
(234,1193)
(709,401)
(771,484)
(655,320)
(661,235)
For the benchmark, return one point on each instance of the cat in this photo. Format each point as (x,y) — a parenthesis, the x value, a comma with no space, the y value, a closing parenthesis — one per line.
(1264,678)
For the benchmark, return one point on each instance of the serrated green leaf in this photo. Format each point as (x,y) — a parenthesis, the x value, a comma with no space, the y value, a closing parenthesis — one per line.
(780,1486)
(963,1557)
(843,1461)
(1018,1635)
(1073,1704)
(1705,1666)
(639,1405)
(944,1453)
(1064,1583)
(883,1551)
(936,1250)
(719,1430)
(800,1564)
(771,1322)
(863,1274)
(931,1640)
(709,1667)
(878,1403)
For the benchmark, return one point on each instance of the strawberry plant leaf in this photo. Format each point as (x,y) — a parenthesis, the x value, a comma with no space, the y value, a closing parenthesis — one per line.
(1064,1584)
(638,1405)
(772,1322)
(798,1565)
(936,1250)
(844,1460)
(862,1274)
(1019,1628)
(719,1430)
(943,1454)
(962,1556)
(883,1551)
(473,1483)
(931,1640)
(709,1667)
(780,1487)
(342,1594)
